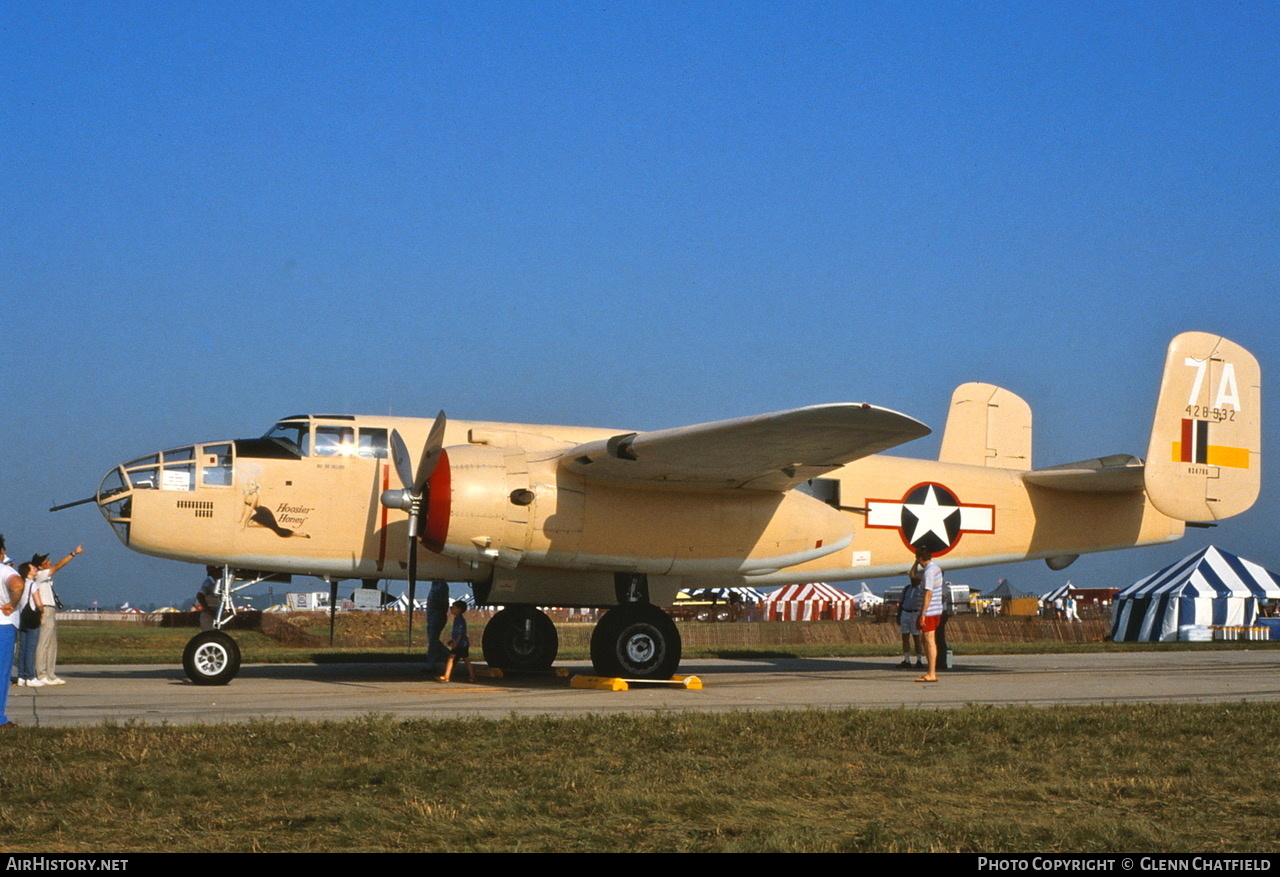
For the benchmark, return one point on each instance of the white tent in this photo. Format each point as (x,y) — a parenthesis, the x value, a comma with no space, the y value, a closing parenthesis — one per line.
(864,599)
(746,595)
(1210,587)
(810,602)
(401,604)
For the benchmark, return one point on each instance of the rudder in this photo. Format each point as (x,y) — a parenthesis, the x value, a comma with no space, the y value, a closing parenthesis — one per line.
(1204,460)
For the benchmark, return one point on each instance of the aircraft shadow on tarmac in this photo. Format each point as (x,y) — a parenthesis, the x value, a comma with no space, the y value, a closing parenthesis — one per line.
(368,671)
(812,665)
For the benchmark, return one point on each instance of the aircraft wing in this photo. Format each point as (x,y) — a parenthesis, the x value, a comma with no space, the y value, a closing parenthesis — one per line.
(766,452)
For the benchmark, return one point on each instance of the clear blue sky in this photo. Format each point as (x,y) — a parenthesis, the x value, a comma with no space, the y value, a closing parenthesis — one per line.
(629,214)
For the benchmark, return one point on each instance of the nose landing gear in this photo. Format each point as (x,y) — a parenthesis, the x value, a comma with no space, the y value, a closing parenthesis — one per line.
(211,658)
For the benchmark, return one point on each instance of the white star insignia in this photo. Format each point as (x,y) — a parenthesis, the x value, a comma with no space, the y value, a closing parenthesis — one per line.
(937,511)
(931,517)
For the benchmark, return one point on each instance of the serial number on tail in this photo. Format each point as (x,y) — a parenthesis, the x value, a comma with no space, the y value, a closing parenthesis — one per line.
(1204,412)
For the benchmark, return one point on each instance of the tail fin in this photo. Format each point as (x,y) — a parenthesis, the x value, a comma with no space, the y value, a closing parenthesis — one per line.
(1204,460)
(987,426)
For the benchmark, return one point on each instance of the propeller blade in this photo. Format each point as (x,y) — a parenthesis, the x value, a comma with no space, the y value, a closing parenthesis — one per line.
(68,505)
(400,456)
(430,453)
(414,484)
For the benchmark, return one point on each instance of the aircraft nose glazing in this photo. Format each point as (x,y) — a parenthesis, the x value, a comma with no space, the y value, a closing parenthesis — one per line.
(173,469)
(115,501)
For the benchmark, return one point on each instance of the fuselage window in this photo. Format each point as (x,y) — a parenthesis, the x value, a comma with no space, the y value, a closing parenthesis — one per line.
(335,441)
(179,471)
(143,479)
(178,476)
(216,465)
(144,472)
(373,443)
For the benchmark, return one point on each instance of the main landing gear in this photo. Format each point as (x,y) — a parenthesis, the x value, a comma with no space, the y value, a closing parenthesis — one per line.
(211,658)
(632,640)
(520,638)
(636,641)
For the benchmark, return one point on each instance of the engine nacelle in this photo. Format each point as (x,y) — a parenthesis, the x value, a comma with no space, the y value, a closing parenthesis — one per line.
(477,505)
(481,509)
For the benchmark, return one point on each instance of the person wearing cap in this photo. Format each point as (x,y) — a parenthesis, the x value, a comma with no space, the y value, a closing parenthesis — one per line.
(11,588)
(47,647)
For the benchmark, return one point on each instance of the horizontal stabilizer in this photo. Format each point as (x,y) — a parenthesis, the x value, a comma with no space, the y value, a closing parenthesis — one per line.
(1118,473)
(766,452)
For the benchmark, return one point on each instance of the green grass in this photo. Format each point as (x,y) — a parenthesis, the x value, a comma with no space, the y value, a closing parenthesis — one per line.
(136,644)
(80,643)
(1171,778)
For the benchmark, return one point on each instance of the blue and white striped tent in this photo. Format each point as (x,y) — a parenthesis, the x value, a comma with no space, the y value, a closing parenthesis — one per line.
(1210,587)
(1059,593)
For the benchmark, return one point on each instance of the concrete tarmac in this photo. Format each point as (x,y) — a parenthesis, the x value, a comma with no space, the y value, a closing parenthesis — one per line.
(118,694)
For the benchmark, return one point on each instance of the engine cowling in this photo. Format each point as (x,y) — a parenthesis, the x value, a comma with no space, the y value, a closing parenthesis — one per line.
(481,509)
(477,505)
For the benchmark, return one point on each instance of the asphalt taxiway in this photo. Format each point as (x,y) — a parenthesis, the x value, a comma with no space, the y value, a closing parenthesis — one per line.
(119,694)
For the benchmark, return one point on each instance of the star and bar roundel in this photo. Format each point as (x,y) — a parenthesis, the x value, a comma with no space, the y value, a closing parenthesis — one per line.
(931,515)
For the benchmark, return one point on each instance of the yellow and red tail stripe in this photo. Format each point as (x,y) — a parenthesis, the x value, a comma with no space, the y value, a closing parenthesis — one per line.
(1196,448)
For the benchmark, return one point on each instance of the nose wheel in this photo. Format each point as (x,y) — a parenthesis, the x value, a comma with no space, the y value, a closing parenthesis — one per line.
(636,641)
(211,658)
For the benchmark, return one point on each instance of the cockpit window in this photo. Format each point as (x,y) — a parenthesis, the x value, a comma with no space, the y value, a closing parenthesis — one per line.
(295,432)
(335,441)
(373,443)
(330,440)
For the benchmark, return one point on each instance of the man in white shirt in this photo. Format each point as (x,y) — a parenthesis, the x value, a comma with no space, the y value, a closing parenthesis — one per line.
(11,587)
(47,647)
(931,614)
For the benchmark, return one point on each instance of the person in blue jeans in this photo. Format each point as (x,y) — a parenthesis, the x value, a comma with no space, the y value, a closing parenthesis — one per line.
(28,637)
(11,588)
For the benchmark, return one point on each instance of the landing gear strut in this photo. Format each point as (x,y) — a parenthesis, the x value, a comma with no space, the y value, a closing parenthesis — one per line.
(636,641)
(212,657)
(520,638)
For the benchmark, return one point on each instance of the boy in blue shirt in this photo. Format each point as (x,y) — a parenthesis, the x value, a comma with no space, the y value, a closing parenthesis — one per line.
(459,642)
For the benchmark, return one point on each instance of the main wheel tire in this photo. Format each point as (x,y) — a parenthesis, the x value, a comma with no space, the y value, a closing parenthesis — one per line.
(636,641)
(520,638)
(211,658)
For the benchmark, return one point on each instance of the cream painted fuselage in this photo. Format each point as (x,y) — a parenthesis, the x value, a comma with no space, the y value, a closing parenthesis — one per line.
(521,522)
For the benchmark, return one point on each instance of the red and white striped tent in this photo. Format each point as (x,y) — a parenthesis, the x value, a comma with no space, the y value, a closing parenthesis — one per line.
(812,602)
